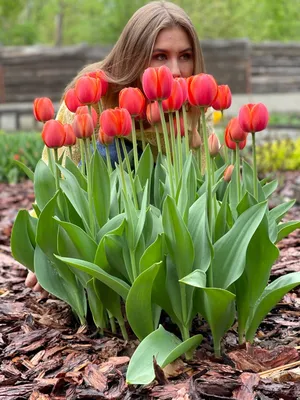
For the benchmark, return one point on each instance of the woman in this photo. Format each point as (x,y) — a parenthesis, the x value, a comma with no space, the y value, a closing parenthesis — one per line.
(159,33)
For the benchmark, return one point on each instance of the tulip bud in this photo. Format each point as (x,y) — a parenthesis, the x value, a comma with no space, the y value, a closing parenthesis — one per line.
(175,100)
(88,90)
(157,83)
(70,139)
(202,90)
(228,173)
(230,143)
(223,99)
(99,74)
(237,134)
(116,122)
(196,139)
(152,112)
(133,100)
(213,145)
(184,88)
(253,117)
(72,101)
(43,109)
(105,139)
(85,110)
(83,125)
(53,134)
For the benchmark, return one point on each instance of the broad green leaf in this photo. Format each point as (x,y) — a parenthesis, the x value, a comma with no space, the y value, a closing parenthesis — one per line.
(73,168)
(100,188)
(188,188)
(96,305)
(116,284)
(269,188)
(286,228)
(248,181)
(44,184)
(196,278)
(153,254)
(198,229)
(145,167)
(139,302)
(25,169)
(178,238)
(21,244)
(159,182)
(221,225)
(111,225)
(230,251)
(113,248)
(270,297)
(218,308)
(279,211)
(161,345)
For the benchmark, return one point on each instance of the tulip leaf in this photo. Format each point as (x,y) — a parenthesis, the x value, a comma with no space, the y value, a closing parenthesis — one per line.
(278,212)
(221,225)
(77,173)
(269,188)
(178,238)
(197,226)
(159,182)
(145,167)
(25,169)
(162,345)
(230,251)
(188,188)
(22,245)
(197,278)
(96,305)
(248,181)
(100,188)
(153,254)
(218,308)
(116,284)
(44,184)
(116,222)
(269,298)
(286,228)
(261,255)
(139,302)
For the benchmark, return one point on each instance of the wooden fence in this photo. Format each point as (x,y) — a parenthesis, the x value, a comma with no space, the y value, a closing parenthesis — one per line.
(35,71)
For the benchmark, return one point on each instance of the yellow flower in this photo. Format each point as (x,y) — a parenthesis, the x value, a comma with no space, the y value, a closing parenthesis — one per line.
(217,116)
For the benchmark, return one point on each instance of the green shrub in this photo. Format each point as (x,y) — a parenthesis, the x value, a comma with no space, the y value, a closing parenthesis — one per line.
(280,155)
(24,147)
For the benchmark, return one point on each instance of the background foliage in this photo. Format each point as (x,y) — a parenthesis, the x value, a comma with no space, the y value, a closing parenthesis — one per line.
(64,22)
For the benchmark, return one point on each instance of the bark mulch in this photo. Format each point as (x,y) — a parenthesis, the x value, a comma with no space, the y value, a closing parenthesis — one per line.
(46,355)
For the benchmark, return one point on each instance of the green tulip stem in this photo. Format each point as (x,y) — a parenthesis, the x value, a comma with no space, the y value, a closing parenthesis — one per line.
(51,161)
(134,143)
(108,160)
(142,134)
(129,172)
(56,174)
(186,131)
(255,188)
(237,166)
(174,149)
(93,135)
(123,328)
(121,165)
(81,145)
(179,142)
(112,322)
(70,152)
(100,107)
(135,272)
(157,139)
(167,147)
(87,150)
(208,188)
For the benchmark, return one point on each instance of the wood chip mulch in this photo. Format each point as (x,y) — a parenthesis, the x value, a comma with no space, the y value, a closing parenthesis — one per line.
(46,355)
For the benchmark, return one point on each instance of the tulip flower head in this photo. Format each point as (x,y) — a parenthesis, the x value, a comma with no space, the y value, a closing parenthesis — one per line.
(116,122)
(253,117)
(157,83)
(202,90)
(70,139)
(235,135)
(214,145)
(228,173)
(184,88)
(105,139)
(53,134)
(175,100)
(133,100)
(71,100)
(223,99)
(99,74)
(88,90)
(152,113)
(85,110)
(83,125)
(43,109)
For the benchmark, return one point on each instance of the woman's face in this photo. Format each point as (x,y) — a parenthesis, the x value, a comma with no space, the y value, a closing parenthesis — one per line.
(173,48)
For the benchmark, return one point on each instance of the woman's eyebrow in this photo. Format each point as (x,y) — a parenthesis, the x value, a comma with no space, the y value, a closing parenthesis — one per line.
(166,50)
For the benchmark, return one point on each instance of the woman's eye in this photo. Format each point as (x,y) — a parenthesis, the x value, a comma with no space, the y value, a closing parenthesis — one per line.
(186,56)
(160,57)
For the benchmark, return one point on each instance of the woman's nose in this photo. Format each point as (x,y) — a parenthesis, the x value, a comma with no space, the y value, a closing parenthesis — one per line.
(174,67)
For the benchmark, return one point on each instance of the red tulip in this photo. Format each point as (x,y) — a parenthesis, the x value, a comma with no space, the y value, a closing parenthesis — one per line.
(85,110)
(184,87)
(175,101)
(71,100)
(99,74)
(202,90)
(53,134)
(133,100)
(228,173)
(213,145)
(253,117)
(83,125)
(157,83)
(234,134)
(88,90)
(152,113)
(223,99)
(116,122)
(43,109)
(105,139)
(70,139)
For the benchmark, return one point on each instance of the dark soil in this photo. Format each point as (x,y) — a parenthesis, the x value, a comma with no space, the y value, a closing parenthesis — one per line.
(46,355)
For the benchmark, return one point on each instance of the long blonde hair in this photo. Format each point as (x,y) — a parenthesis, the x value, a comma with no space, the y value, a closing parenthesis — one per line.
(132,53)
